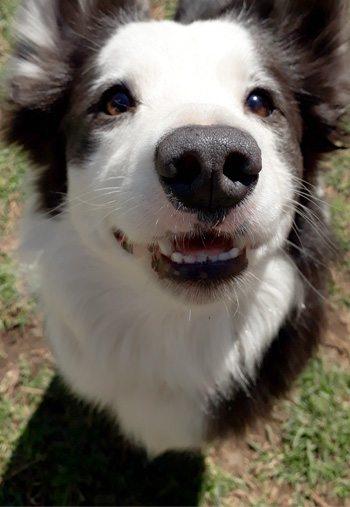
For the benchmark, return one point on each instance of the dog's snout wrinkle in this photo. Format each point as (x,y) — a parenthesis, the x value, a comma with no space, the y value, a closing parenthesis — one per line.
(207,168)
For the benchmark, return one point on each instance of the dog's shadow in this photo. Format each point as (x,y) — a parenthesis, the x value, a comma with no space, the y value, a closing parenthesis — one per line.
(72,455)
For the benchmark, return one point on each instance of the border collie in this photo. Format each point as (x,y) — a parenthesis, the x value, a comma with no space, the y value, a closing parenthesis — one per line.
(176,220)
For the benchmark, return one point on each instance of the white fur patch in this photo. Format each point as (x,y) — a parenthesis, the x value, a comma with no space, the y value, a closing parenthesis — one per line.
(119,343)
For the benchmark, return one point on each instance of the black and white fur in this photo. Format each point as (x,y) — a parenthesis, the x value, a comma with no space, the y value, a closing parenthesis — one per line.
(179,362)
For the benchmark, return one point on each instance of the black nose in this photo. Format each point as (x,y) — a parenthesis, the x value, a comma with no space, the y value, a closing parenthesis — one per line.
(208,168)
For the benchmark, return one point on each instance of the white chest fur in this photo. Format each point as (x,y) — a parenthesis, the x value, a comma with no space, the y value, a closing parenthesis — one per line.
(153,363)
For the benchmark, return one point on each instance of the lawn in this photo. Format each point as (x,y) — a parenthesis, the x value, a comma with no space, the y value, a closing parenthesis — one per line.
(55,450)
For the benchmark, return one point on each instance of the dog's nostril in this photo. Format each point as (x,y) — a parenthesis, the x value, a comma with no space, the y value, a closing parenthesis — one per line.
(248,181)
(237,167)
(234,167)
(187,169)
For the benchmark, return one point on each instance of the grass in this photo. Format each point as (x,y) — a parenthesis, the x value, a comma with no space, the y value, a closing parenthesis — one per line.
(13,168)
(20,398)
(219,484)
(338,181)
(7,10)
(55,450)
(313,453)
(16,308)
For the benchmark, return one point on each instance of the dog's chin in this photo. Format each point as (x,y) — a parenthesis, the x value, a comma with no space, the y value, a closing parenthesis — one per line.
(198,268)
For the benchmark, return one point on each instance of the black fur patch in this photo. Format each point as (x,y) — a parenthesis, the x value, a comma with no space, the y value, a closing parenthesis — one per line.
(81,141)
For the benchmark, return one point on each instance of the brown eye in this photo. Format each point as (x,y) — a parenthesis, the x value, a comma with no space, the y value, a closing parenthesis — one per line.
(260,104)
(119,103)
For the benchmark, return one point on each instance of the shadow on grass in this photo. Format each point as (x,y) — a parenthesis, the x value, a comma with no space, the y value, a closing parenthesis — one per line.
(72,455)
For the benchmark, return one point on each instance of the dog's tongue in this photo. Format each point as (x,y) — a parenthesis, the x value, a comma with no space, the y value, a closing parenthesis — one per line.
(210,245)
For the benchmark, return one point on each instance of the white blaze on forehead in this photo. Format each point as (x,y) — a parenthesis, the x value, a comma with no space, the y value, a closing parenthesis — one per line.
(166,59)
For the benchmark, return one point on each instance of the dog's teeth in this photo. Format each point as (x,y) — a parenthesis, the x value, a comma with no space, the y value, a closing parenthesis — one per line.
(177,257)
(224,256)
(202,258)
(234,253)
(165,247)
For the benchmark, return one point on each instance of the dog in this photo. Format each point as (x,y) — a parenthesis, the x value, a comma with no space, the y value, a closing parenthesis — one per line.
(176,220)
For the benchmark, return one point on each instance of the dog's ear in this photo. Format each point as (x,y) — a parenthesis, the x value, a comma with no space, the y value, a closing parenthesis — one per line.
(50,35)
(314,37)
(53,40)
(311,41)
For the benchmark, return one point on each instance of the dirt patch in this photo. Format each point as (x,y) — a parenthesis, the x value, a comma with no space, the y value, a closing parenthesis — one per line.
(337,338)
(9,244)
(237,456)
(157,11)
(9,234)
(23,344)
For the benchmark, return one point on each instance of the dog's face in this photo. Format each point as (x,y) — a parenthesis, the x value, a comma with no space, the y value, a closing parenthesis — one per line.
(185,158)
(179,150)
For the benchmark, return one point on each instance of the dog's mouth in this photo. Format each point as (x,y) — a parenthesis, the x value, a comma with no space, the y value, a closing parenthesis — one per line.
(193,257)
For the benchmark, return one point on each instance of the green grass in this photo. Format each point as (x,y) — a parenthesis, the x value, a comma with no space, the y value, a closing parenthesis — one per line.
(170,8)
(338,174)
(314,453)
(338,179)
(16,308)
(18,407)
(219,484)
(7,10)
(13,166)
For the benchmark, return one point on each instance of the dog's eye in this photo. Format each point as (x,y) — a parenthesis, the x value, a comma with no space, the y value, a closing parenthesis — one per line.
(260,104)
(119,103)
(116,101)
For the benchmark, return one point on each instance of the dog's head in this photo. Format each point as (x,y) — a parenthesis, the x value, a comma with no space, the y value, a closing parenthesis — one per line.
(178,151)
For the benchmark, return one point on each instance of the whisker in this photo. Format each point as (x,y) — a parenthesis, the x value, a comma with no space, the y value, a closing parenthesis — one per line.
(306,280)
(304,183)
(307,254)
(314,221)
(319,203)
